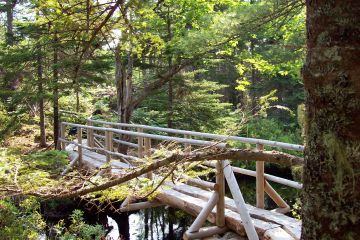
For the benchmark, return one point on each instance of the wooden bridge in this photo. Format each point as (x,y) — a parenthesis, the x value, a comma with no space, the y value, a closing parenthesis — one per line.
(202,199)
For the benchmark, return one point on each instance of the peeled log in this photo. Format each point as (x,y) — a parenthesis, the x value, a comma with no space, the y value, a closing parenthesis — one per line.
(193,206)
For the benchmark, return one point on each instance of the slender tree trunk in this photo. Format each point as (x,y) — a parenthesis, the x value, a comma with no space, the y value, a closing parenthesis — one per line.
(41,98)
(129,87)
(77,97)
(331,198)
(10,82)
(10,4)
(170,84)
(88,10)
(56,93)
(170,105)
(253,80)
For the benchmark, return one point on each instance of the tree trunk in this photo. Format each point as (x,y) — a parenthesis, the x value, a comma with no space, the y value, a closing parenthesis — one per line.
(11,82)
(171,89)
(124,88)
(10,4)
(77,96)
(123,79)
(331,198)
(88,11)
(41,98)
(56,93)
(252,92)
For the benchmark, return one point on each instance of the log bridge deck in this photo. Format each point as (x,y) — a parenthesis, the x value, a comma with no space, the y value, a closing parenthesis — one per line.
(204,200)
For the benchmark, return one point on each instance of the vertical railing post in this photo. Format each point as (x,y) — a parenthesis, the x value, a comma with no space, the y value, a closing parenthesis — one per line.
(187,145)
(220,182)
(260,180)
(80,150)
(62,135)
(90,134)
(108,145)
(140,144)
(147,145)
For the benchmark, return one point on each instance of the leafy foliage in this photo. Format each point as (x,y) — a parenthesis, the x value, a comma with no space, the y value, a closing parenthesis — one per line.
(78,229)
(22,222)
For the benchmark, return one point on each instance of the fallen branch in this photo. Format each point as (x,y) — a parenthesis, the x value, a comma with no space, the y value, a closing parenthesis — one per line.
(214,154)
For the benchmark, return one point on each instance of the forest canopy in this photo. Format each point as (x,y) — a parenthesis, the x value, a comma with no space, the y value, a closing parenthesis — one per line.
(147,62)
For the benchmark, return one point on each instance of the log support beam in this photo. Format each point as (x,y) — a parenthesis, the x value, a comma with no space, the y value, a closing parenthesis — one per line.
(201,218)
(239,202)
(283,206)
(205,232)
(139,206)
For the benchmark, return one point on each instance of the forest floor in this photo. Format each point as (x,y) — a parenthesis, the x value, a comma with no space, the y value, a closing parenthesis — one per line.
(25,140)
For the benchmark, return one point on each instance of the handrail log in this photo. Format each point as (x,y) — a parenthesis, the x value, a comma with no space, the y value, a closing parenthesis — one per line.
(283,145)
(268,177)
(132,158)
(152,136)
(118,141)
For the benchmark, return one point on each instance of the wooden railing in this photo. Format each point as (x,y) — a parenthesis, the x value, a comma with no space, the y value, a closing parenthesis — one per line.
(102,139)
(260,174)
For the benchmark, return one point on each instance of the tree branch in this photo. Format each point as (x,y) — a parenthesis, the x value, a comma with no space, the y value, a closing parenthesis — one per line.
(213,154)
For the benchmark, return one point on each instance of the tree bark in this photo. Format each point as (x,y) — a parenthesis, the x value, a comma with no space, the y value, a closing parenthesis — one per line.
(56,93)
(41,98)
(331,197)
(124,88)
(10,4)
(170,83)
(123,81)
(11,79)
(170,104)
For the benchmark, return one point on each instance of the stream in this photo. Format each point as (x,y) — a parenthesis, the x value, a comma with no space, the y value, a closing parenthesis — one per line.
(165,222)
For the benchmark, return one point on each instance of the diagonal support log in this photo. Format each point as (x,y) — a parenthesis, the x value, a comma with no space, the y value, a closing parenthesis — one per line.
(201,218)
(240,202)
